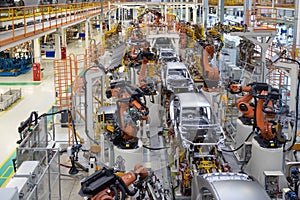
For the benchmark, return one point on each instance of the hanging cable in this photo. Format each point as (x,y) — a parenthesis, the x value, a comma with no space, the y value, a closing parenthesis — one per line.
(73,126)
(122,189)
(70,117)
(154,148)
(129,192)
(114,189)
(240,145)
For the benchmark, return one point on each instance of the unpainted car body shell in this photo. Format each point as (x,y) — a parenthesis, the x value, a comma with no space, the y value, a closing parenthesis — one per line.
(227,186)
(194,120)
(176,78)
(168,55)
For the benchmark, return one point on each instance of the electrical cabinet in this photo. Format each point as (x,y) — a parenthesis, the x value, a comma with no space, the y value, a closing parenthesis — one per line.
(272,182)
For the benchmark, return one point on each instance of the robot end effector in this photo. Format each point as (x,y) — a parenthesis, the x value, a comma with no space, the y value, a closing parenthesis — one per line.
(105,184)
(131,109)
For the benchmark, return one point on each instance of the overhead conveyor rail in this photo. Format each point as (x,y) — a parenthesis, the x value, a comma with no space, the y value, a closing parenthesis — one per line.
(18,24)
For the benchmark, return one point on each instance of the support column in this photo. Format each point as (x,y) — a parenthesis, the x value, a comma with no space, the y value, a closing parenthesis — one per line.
(273,8)
(205,14)
(91,31)
(134,13)
(99,23)
(247,9)
(122,15)
(119,14)
(200,15)
(100,30)
(297,24)
(195,13)
(166,13)
(233,12)
(221,11)
(107,13)
(109,19)
(87,33)
(187,13)
(181,10)
(64,37)
(125,17)
(57,45)
(36,50)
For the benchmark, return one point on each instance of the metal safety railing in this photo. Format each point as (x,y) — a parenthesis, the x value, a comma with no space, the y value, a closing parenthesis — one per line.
(228,2)
(17,23)
(278,4)
(263,19)
(35,146)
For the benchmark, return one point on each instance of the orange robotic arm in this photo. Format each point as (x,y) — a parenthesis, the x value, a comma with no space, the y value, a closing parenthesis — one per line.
(157,17)
(105,185)
(107,194)
(265,126)
(264,108)
(243,103)
(125,122)
(245,107)
(210,74)
(131,108)
(268,106)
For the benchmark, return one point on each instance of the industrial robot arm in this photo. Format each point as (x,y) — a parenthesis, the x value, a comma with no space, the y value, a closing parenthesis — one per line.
(267,104)
(131,108)
(145,84)
(157,15)
(210,74)
(139,105)
(142,59)
(105,184)
(243,103)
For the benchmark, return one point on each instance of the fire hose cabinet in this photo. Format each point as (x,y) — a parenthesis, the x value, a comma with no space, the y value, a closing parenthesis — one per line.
(36,70)
(63,53)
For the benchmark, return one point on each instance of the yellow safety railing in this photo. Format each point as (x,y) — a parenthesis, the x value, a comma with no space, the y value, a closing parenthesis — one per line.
(286,4)
(25,21)
(227,2)
(263,19)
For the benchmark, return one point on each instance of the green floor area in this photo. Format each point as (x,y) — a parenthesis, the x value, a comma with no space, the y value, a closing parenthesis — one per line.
(19,83)
(7,169)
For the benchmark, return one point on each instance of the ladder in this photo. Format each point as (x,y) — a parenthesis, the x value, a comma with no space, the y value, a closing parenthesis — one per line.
(62,82)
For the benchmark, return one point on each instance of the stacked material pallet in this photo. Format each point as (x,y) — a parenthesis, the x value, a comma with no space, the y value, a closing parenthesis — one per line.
(9,97)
